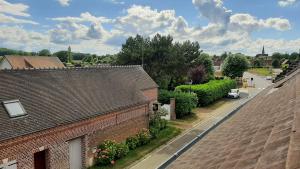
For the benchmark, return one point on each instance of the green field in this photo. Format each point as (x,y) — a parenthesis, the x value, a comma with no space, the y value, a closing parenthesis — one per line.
(261,71)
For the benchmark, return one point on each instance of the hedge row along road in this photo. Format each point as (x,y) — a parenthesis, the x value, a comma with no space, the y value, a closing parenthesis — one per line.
(209,92)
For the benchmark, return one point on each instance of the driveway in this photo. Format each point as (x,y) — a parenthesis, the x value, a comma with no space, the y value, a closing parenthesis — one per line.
(159,156)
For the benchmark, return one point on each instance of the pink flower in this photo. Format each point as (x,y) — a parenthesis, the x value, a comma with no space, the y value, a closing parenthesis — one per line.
(112,162)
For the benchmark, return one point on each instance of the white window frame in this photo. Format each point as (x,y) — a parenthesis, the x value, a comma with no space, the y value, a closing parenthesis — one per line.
(14,101)
(4,166)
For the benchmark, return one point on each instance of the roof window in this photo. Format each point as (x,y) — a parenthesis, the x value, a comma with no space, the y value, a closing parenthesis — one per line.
(14,108)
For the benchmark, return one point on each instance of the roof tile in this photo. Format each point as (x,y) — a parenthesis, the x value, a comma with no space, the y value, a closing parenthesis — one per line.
(57,97)
(264,134)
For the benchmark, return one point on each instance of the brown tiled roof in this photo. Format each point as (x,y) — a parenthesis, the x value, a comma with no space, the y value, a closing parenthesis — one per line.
(61,96)
(264,134)
(20,62)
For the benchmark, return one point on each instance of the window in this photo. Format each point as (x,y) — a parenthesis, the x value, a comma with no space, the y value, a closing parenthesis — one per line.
(14,108)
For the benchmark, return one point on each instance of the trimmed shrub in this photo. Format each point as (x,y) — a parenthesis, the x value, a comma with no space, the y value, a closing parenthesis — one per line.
(106,152)
(157,123)
(209,92)
(132,142)
(154,131)
(122,150)
(144,137)
(185,102)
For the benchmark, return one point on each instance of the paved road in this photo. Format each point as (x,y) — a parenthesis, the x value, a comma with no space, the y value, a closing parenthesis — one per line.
(156,158)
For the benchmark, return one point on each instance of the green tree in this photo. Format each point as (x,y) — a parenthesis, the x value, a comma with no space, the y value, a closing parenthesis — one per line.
(62,55)
(276,63)
(198,74)
(294,56)
(224,56)
(235,65)
(166,62)
(277,56)
(44,52)
(205,60)
(257,62)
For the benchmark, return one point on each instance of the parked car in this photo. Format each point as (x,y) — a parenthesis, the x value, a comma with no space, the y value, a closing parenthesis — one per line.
(269,78)
(234,93)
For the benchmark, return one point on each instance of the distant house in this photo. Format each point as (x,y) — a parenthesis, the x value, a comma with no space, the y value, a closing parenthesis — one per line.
(217,61)
(55,118)
(26,62)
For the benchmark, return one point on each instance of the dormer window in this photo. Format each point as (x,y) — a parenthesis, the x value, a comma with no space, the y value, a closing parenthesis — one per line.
(14,108)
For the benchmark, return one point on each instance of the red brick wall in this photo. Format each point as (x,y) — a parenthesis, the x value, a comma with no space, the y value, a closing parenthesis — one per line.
(116,125)
(151,94)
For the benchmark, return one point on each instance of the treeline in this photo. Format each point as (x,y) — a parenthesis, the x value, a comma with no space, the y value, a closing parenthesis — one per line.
(78,58)
(5,51)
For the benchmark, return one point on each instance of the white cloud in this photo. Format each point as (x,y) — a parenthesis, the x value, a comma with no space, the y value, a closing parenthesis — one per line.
(213,10)
(75,29)
(84,17)
(17,9)
(64,2)
(98,34)
(10,19)
(143,20)
(95,31)
(18,38)
(119,2)
(249,23)
(284,3)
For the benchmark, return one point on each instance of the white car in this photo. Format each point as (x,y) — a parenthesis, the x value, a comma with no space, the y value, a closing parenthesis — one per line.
(234,93)
(269,78)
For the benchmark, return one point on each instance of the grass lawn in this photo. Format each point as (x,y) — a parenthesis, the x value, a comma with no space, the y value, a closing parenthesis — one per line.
(261,71)
(199,114)
(163,137)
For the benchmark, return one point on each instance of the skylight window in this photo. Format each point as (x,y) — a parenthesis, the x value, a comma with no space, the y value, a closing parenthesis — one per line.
(14,108)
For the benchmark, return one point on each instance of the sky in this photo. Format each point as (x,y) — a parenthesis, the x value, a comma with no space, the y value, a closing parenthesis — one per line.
(102,26)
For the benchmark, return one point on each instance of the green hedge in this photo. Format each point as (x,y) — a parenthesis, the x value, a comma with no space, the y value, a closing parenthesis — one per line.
(185,102)
(209,92)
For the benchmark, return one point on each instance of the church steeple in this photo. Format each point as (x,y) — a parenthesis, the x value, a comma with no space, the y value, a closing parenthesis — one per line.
(263,50)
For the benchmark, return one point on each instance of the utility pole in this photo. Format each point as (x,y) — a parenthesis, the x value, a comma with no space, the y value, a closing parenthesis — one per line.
(142,48)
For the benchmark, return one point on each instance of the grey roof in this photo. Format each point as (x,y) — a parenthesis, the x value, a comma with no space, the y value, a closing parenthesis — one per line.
(57,97)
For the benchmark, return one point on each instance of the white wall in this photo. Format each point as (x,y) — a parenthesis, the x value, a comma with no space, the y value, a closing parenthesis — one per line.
(168,108)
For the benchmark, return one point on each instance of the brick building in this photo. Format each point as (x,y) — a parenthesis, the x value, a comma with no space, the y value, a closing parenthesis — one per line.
(54,118)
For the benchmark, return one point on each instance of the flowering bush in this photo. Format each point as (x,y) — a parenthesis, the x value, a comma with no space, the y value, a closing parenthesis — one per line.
(122,150)
(144,137)
(132,142)
(106,152)
(109,151)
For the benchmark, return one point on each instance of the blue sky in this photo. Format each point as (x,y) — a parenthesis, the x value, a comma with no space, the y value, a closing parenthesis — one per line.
(101,26)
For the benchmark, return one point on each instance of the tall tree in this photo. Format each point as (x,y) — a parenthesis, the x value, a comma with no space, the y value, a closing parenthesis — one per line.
(44,52)
(224,56)
(205,60)
(235,65)
(166,62)
(198,74)
(62,55)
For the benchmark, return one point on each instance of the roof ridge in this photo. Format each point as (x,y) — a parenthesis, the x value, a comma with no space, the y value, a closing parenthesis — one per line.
(287,78)
(71,68)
